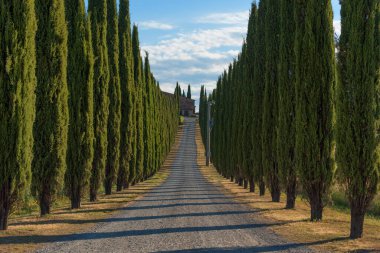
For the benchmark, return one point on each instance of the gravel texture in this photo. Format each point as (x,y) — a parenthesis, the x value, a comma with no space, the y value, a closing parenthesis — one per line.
(184,214)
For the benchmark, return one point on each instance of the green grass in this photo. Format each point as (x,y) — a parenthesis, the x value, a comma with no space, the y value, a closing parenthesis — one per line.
(181,120)
(340,202)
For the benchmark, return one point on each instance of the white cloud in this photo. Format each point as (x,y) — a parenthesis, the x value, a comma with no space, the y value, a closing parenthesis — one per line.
(337,27)
(198,44)
(231,18)
(148,25)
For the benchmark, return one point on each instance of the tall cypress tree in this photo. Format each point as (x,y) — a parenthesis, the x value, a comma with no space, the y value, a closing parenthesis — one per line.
(51,125)
(356,153)
(258,94)
(286,104)
(315,77)
(148,118)
(139,162)
(127,89)
(249,71)
(17,100)
(80,82)
(98,11)
(114,117)
(270,106)
(189,92)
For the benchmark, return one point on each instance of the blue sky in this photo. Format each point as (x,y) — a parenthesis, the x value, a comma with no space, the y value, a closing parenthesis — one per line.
(193,41)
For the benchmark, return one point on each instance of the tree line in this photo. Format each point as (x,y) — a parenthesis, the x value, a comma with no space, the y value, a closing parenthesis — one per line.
(298,110)
(80,107)
(177,91)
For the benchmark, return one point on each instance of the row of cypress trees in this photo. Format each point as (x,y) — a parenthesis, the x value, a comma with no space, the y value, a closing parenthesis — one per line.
(289,114)
(80,108)
(177,91)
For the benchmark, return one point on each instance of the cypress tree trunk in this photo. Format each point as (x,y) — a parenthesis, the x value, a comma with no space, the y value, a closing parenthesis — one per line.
(291,187)
(17,101)
(357,221)
(270,113)
(262,188)
(80,82)
(356,140)
(98,12)
(315,77)
(75,196)
(5,203)
(45,200)
(245,184)
(114,117)
(251,184)
(51,125)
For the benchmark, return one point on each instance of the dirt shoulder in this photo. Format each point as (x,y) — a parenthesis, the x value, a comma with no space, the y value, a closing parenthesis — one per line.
(329,235)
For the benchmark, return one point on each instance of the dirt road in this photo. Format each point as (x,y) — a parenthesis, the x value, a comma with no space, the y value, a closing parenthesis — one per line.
(185,214)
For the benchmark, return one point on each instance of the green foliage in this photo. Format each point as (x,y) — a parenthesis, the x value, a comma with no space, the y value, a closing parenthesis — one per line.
(270,104)
(114,96)
(127,129)
(315,78)
(139,108)
(147,103)
(258,95)
(17,99)
(81,95)
(98,12)
(51,125)
(286,131)
(356,154)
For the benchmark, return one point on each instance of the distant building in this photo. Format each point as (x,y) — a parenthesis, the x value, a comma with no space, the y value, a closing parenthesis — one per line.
(187,105)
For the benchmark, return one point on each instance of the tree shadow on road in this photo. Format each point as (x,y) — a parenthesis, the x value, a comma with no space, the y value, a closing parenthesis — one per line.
(131,233)
(139,218)
(269,248)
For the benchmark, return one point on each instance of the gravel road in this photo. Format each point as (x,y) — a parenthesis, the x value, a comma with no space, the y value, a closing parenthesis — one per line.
(185,214)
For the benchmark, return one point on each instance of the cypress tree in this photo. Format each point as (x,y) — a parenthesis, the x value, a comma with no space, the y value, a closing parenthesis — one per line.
(315,77)
(98,11)
(258,94)
(248,116)
(286,104)
(114,117)
(356,153)
(148,117)
(183,94)
(51,125)
(270,104)
(139,162)
(127,89)
(80,82)
(17,100)
(189,92)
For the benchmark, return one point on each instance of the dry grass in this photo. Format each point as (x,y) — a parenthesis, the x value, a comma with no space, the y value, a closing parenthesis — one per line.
(329,235)
(27,233)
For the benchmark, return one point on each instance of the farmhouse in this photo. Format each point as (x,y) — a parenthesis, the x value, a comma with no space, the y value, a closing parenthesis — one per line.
(187,105)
